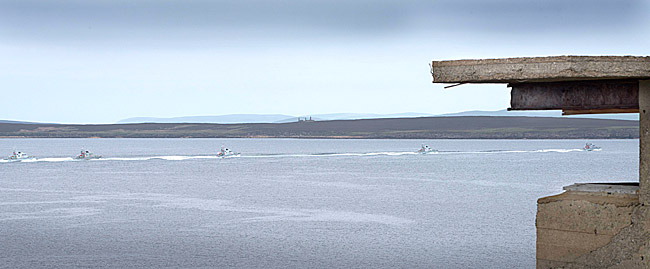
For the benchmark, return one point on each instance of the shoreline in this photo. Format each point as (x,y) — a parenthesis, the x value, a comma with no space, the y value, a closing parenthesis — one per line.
(469,127)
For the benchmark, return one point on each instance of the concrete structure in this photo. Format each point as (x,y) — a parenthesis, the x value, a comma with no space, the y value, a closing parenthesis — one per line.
(592,226)
(541,69)
(589,225)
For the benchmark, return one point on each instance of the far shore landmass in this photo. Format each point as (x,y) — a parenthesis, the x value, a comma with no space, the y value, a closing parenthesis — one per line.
(465,127)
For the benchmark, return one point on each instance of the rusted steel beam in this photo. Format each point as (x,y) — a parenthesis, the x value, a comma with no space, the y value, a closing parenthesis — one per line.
(576,95)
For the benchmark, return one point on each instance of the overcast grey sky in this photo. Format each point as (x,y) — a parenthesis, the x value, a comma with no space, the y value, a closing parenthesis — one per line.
(101,61)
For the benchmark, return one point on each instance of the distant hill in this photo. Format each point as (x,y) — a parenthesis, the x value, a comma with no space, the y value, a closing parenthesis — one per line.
(279,118)
(18,122)
(268,118)
(471,127)
(355,116)
(232,118)
(360,116)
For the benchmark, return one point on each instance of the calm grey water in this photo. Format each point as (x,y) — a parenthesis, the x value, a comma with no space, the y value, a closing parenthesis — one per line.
(288,203)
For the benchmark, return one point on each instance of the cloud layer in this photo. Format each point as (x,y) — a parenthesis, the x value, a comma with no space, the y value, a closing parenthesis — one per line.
(173,21)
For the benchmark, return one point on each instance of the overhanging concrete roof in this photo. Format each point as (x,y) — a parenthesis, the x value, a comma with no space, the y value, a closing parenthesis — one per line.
(541,69)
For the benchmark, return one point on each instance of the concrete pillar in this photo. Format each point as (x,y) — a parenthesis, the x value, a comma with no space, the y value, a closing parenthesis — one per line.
(644,142)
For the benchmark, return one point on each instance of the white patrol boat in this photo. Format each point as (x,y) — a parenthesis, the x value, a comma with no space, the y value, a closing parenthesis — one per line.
(225,152)
(590,147)
(18,156)
(426,149)
(87,155)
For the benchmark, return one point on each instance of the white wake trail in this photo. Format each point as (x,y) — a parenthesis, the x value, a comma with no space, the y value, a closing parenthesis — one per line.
(310,155)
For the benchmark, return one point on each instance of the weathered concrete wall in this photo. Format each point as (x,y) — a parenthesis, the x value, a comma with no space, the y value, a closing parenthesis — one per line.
(644,141)
(592,230)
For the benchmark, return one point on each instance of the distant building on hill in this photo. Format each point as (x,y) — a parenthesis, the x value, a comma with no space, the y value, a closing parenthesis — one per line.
(300,119)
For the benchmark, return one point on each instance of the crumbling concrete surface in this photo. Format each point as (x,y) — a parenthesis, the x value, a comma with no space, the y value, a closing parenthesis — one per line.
(540,69)
(644,141)
(593,230)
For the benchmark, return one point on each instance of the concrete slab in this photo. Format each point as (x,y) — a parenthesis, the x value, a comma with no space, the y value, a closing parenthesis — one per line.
(541,69)
(592,225)
(617,188)
(585,213)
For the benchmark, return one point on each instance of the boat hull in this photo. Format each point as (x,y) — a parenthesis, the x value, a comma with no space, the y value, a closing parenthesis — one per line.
(20,160)
(228,155)
(88,158)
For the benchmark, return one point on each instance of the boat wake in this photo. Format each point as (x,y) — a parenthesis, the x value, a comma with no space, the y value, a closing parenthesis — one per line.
(513,151)
(311,155)
(351,154)
(559,150)
(70,159)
